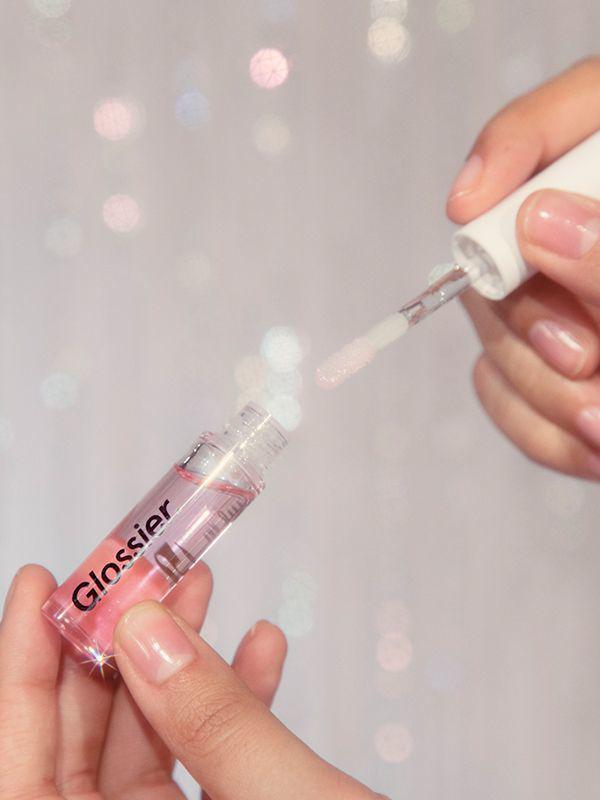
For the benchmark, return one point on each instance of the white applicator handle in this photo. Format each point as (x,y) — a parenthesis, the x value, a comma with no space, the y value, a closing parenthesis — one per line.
(489,245)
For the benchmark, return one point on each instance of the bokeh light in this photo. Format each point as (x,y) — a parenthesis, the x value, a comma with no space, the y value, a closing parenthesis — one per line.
(117,118)
(121,213)
(271,135)
(63,237)
(282,349)
(278,10)
(52,9)
(295,617)
(60,390)
(192,110)
(272,378)
(7,434)
(393,743)
(389,8)
(195,271)
(269,68)
(300,584)
(287,383)
(389,40)
(394,652)
(286,410)
(454,16)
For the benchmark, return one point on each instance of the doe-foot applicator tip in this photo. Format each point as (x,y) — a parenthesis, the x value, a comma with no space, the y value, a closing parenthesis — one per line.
(341,365)
(359,352)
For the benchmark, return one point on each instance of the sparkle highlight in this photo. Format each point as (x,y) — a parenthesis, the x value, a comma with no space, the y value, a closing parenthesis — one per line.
(269,68)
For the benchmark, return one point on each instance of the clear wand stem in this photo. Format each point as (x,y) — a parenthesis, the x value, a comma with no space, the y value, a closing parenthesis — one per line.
(442,288)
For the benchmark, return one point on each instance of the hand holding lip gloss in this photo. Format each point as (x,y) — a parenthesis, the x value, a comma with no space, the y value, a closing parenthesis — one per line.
(191,698)
(154,546)
(63,734)
(537,374)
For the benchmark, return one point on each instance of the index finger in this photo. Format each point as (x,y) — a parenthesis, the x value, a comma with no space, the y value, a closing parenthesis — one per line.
(527,135)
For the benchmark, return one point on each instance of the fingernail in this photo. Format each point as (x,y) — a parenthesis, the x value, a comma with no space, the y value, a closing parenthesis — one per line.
(558,346)
(563,224)
(468,178)
(154,642)
(588,422)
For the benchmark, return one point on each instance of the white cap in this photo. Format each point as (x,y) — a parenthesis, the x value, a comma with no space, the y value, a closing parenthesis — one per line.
(489,243)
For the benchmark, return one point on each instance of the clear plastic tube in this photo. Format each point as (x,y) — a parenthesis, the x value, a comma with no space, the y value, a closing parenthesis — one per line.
(167,532)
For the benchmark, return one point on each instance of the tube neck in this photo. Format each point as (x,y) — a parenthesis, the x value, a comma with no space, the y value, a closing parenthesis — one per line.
(254,436)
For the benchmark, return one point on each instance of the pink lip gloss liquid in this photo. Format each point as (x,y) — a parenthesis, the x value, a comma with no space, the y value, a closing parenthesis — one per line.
(167,532)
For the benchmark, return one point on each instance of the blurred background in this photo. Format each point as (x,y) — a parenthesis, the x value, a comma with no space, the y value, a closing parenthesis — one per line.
(200,200)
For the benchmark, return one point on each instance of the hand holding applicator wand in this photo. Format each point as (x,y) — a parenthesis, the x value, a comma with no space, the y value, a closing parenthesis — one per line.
(487,257)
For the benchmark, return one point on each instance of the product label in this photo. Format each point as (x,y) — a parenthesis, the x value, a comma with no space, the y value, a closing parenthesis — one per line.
(87,593)
(190,518)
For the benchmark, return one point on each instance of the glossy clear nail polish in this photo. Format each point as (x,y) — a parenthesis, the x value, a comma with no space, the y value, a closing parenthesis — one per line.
(560,348)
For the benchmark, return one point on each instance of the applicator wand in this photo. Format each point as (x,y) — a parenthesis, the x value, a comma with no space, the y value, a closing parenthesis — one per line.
(486,257)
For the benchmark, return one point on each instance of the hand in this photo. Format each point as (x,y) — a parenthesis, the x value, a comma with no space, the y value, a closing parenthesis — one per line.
(64,734)
(67,736)
(538,375)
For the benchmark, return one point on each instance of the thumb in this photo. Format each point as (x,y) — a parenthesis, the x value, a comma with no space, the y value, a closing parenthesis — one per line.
(559,235)
(225,736)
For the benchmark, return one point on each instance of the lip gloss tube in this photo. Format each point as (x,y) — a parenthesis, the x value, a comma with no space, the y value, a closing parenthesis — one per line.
(167,532)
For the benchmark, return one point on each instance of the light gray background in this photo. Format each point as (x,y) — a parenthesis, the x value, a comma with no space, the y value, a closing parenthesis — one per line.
(395,493)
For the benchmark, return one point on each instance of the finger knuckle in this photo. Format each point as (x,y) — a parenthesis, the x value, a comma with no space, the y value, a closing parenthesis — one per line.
(206,723)
(502,128)
(78,782)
